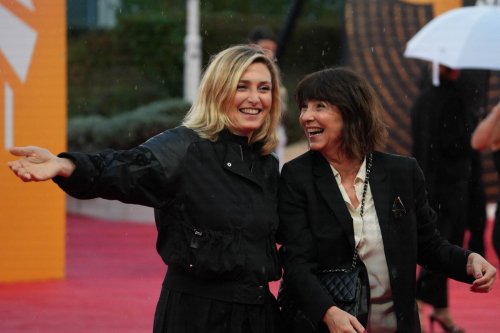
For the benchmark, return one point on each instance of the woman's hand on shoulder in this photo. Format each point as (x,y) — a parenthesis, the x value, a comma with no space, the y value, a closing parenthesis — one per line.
(484,273)
(39,164)
(339,321)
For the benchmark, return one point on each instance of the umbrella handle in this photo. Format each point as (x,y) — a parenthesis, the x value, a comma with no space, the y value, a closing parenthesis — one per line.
(435,73)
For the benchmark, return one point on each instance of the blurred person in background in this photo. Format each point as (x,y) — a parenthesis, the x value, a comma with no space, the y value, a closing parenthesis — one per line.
(265,38)
(343,196)
(487,136)
(441,130)
(213,184)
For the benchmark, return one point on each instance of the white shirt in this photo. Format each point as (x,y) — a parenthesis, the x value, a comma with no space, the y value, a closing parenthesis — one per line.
(382,318)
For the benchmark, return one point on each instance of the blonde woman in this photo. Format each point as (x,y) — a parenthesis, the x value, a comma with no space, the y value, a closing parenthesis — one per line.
(213,184)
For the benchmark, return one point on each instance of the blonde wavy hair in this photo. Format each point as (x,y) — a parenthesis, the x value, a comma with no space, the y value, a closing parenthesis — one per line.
(208,114)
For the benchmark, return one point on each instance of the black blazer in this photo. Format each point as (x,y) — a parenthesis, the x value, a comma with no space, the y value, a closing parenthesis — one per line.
(316,231)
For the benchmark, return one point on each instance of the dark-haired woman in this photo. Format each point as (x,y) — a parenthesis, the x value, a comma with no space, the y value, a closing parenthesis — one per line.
(344,195)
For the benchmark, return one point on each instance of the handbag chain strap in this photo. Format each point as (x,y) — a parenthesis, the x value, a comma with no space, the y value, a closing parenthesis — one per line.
(356,251)
(362,210)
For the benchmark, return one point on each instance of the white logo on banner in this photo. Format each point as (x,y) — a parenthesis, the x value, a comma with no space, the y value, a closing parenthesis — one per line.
(17,43)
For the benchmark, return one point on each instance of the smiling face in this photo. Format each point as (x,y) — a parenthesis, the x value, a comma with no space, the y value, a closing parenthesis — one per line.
(252,101)
(323,124)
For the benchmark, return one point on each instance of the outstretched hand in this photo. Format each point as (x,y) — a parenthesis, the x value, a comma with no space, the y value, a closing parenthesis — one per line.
(39,164)
(484,273)
(339,321)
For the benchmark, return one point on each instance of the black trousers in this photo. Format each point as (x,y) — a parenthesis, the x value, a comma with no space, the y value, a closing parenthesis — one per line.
(451,202)
(178,312)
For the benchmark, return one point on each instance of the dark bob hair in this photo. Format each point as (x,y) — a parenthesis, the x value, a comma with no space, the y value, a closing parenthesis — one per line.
(364,130)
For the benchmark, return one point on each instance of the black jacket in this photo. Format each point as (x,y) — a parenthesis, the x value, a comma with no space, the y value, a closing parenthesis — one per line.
(215,208)
(441,130)
(316,230)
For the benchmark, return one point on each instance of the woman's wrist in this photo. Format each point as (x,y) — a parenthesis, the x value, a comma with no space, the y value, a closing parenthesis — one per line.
(67,167)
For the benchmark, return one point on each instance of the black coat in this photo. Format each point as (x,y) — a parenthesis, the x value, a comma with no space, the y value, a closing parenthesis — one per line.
(215,208)
(316,230)
(441,131)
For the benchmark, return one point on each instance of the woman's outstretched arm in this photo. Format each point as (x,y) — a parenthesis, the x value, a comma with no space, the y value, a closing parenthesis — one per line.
(39,164)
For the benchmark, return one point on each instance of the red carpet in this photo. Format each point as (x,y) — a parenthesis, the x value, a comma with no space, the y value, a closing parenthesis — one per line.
(114,278)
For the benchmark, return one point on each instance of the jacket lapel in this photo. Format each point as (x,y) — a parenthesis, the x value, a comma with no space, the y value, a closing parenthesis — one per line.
(327,185)
(382,194)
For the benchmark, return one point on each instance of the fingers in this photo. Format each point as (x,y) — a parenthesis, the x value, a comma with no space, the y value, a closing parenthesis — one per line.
(338,321)
(357,326)
(478,287)
(485,283)
(22,151)
(485,275)
(20,171)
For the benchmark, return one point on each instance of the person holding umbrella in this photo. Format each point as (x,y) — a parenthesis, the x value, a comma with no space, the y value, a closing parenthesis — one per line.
(441,130)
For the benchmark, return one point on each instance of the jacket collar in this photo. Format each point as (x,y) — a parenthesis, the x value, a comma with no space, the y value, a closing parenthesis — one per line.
(327,186)
(233,160)
(226,135)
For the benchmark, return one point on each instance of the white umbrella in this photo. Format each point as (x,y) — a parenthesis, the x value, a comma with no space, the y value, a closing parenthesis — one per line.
(467,37)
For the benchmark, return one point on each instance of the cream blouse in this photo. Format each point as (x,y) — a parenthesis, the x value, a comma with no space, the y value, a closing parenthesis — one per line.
(382,318)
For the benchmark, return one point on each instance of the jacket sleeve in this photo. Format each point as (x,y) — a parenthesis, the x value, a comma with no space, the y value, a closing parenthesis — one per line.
(435,253)
(134,176)
(298,253)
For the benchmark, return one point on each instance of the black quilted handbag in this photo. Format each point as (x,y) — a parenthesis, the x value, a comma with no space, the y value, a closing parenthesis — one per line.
(348,288)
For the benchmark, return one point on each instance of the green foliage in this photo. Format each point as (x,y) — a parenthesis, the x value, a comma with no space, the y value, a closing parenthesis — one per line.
(138,62)
(125,130)
(141,60)
(313,9)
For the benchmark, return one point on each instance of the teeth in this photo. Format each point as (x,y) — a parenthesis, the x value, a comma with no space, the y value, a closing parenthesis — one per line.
(314,131)
(250,111)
